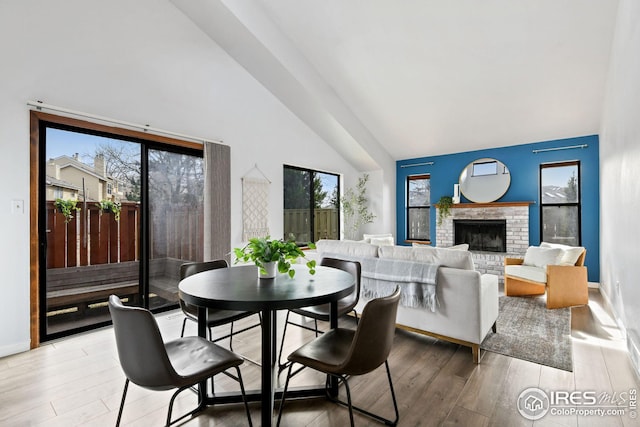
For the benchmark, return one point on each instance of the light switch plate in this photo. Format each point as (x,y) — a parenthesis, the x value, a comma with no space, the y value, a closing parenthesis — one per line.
(17,206)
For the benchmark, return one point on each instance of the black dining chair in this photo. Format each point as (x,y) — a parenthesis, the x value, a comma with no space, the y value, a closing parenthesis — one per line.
(322,312)
(152,364)
(341,352)
(215,317)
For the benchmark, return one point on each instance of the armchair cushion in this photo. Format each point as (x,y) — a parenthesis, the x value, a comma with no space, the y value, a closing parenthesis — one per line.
(570,254)
(541,257)
(528,272)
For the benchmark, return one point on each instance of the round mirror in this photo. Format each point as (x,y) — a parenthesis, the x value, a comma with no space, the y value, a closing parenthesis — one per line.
(484,180)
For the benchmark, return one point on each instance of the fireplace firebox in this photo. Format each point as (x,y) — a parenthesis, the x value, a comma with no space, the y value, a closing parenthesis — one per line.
(481,235)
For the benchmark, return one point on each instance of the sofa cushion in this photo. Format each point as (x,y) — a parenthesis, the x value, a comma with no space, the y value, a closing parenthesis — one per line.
(428,254)
(541,257)
(382,241)
(527,272)
(368,237)
(570,254)
(349,248)
(460,247)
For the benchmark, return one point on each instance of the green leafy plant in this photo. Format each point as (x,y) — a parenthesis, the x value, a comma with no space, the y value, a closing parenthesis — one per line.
(444,208)
(261,250)
(66,208)
(355,207)
(110,206)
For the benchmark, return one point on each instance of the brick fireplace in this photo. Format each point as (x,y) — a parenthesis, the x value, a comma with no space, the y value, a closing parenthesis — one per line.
(516,216)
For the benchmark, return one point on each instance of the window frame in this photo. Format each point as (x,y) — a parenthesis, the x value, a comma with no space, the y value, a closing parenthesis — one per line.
(577,204)
(409,208)
(312,174)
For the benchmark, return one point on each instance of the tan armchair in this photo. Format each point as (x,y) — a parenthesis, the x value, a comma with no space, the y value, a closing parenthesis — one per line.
(566,284)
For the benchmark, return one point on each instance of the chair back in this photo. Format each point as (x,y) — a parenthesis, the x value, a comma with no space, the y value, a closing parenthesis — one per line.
(191,268)
(373,339)
(350,301)
(141,351)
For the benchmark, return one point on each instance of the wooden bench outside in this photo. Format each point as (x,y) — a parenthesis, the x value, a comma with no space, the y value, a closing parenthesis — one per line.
(165,275)
(81,286)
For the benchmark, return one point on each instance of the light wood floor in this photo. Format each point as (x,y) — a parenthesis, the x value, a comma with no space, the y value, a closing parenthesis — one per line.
(78,382)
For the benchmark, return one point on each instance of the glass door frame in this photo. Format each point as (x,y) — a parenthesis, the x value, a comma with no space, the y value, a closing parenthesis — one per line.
(38,123)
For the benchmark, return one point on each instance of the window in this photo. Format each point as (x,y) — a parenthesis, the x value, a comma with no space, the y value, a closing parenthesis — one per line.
(418,207)
(560,203)
(311,205)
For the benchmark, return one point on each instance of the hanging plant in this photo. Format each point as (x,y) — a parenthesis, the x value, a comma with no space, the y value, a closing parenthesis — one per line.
(110,206)
(444,208)
(66,208)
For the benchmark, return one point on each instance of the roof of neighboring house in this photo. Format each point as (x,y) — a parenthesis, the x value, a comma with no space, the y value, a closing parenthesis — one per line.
(61,183)
(66,161)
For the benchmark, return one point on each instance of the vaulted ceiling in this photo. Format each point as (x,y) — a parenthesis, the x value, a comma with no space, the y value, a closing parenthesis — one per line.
(383,79)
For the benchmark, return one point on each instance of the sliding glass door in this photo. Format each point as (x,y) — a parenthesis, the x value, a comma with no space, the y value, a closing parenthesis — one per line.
(118,215)
(175,182)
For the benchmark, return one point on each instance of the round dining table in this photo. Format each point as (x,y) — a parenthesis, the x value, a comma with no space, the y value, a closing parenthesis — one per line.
(239,288)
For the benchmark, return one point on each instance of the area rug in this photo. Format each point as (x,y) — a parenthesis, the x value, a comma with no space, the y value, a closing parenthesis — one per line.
(527,330)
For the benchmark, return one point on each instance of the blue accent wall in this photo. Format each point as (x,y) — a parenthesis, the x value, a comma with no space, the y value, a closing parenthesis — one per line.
(524,166)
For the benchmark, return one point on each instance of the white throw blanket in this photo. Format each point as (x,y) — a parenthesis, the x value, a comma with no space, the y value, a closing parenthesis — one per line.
(380,276)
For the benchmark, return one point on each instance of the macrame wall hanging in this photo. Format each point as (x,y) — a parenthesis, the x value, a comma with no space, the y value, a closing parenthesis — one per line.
(255,205)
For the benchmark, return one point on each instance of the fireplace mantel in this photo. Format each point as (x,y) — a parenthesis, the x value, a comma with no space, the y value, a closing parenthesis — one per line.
(491,205)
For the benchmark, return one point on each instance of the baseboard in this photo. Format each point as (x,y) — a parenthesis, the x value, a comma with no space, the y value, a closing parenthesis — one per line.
(593,285)
(20,347)
(609,306)
(634,355)
(632,346)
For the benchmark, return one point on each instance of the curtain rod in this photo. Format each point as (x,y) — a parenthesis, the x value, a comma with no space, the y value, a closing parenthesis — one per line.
(569,147)
(416,164)
(146,128)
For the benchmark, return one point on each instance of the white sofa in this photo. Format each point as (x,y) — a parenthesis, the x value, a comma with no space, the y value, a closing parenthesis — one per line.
(466,302)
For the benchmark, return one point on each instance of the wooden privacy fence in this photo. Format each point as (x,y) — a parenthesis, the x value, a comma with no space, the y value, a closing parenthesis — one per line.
(177,232)
(325,225)
(93,237)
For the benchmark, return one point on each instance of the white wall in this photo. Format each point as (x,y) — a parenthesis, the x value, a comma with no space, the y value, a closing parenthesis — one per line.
(620,178)
(140,61)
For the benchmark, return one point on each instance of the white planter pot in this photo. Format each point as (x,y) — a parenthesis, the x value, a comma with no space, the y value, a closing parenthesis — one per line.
(271,270)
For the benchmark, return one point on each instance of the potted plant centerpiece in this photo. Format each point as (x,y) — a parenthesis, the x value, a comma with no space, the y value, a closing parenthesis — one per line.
(271,255)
